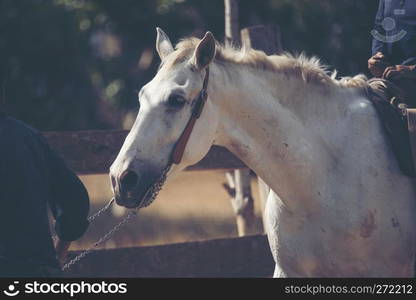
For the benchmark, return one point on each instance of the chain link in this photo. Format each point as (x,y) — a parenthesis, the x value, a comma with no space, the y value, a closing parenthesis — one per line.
(156,187)
(103,239)
(98,213)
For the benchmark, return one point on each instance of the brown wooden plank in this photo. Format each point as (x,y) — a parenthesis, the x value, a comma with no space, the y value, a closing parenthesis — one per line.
(93,151)
(233,257)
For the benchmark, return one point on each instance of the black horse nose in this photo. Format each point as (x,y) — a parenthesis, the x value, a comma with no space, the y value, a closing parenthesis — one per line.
(128,180)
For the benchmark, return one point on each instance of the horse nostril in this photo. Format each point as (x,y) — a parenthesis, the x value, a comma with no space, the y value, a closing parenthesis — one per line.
(128,179)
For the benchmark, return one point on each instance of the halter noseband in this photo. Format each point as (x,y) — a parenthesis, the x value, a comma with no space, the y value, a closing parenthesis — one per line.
(180,145)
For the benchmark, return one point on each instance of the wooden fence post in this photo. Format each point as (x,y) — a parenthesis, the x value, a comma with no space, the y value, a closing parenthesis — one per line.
(267,39)
(231,21)
(238,180)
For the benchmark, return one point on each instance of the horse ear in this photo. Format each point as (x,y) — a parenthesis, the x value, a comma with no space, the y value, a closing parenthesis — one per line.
(163,45)
(205,51)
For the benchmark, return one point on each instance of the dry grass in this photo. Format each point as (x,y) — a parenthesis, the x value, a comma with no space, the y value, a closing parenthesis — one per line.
(193,206)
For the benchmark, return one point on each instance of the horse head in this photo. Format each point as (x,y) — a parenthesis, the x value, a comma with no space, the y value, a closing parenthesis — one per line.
(167,104)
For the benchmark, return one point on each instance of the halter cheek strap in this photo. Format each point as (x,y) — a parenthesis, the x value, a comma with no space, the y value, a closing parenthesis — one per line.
(180,145)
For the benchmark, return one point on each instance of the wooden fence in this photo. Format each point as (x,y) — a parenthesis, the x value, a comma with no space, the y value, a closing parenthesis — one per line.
(233,257)
(92,152)
(89,152)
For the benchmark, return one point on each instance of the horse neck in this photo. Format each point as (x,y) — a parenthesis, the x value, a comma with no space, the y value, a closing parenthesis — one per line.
(270,123)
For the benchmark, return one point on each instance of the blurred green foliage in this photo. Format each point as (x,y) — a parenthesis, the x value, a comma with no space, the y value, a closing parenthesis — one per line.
(77,64)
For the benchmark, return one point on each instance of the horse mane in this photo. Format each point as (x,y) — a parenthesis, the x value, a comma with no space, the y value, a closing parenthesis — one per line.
(309,69)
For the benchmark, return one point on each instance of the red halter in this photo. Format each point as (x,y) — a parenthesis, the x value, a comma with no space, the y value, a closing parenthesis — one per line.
(180,145)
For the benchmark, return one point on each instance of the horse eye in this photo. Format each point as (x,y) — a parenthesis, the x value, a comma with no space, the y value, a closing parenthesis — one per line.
(176,102)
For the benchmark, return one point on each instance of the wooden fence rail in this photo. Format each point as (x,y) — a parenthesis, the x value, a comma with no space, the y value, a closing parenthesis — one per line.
(233,257)
(93,151)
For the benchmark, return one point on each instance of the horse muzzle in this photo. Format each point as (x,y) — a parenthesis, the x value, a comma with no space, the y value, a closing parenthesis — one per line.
(131,190)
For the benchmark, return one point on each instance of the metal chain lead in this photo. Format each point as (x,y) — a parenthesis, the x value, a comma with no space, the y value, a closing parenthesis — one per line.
(154,192)
(98,213)
(103,239)
(156,187)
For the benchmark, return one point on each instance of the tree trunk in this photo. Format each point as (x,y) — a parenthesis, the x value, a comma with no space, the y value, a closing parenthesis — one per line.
(232,28)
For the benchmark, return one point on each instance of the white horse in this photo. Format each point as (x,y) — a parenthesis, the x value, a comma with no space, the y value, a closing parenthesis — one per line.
(339,205)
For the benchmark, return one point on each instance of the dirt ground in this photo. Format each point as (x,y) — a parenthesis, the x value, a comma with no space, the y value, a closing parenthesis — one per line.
(192,206)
